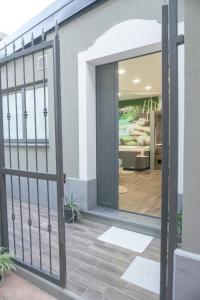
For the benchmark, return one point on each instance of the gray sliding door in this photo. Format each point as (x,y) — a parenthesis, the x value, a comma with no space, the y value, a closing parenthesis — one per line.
(107,135)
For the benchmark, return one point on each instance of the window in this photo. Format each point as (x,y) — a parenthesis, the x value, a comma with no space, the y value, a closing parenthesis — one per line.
(42,62)
(31,113)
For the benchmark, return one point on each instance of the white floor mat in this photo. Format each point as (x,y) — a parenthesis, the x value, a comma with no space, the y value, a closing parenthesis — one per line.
(144,273)
(126,239)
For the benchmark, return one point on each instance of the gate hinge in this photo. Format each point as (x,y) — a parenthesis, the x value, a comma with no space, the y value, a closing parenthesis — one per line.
(180,40)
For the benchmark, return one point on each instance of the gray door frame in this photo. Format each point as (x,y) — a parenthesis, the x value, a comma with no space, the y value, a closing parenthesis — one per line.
(102,180)
(115,128)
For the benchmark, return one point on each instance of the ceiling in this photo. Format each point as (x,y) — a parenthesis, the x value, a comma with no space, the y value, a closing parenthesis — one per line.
(146,70)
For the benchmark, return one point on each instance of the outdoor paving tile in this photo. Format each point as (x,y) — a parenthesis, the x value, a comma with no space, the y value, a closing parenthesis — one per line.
(100,254)
(73,262)
(140,294)
(113,248)
(112,268)
(104,276)
(74,287)
(87,281)
(94,268)
(91,295)
(73,240)
(95,226)
(105,250)
(121,263)
(114,294)
(83,257)
(90,236)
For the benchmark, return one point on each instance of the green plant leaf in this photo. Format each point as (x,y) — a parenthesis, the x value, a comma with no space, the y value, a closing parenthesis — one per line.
(6,262)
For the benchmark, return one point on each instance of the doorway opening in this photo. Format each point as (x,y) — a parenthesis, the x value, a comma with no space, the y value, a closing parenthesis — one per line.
(129,134)
(140,134)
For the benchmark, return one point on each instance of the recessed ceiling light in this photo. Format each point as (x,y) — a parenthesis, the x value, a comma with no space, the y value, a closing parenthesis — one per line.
(121,71)
(148,87)
(136,80)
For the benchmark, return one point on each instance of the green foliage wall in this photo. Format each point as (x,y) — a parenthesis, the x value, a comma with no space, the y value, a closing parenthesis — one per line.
(139,102)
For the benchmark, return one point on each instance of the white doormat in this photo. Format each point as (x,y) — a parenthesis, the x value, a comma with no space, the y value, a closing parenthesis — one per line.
(126,239)
(144,273)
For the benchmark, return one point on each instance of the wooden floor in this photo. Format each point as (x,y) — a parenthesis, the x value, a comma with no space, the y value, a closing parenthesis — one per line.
(144,192)
(94,268)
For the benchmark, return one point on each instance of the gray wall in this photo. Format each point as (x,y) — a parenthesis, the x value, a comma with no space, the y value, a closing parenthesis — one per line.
(78,36)
(187,261)
(191,218)
(186,277)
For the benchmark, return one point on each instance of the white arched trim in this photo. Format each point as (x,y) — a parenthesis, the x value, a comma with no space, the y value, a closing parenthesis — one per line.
(125,40)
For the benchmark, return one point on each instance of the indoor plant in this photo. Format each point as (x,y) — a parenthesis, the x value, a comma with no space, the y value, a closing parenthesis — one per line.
(6,264)
(71,210)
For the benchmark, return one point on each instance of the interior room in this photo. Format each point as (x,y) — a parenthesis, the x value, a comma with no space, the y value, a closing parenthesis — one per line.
(140,140)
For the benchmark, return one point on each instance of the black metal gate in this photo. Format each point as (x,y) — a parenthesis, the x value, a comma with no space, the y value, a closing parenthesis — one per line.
(31,158)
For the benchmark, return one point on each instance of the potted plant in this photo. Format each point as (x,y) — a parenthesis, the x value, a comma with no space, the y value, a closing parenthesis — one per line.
(6,264)
(71,210)
(179,220)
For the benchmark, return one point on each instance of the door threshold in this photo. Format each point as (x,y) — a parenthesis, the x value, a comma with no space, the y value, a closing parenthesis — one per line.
(126,220)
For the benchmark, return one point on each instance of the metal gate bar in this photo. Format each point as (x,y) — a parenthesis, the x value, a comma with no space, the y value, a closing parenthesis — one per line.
(10,156)
(59,158)
(30,174)
(3,204)
(36,151)
(45,111)
(58,177)
(18,160)
(165,153)
(170,42)
(27,164)
(173,171)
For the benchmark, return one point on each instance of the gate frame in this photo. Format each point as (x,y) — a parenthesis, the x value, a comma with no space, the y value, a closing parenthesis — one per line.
(58,177)
(170,42)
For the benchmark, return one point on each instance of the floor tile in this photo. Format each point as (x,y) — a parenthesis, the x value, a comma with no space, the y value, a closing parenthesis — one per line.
(144,273)
(136,242)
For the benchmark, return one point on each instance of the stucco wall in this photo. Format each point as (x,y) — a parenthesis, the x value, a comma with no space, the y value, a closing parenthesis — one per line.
(91,31)
(191,217)
(186,276)
(78,36)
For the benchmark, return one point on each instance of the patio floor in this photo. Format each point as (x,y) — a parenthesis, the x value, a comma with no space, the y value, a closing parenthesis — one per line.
(16,288)
(94,268)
